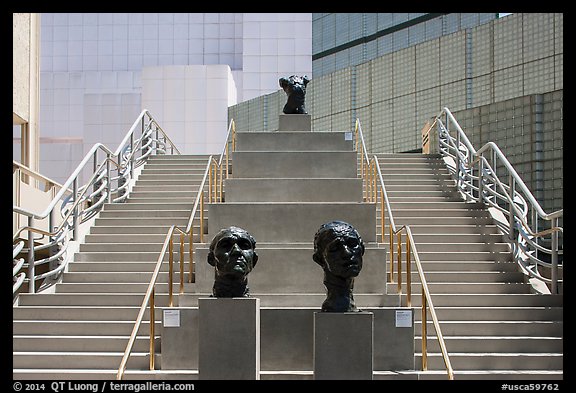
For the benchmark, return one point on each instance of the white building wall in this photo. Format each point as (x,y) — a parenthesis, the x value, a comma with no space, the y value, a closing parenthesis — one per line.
(93,64)
(191,104)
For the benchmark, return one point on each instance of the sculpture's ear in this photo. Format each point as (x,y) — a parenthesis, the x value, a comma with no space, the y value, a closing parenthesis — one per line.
(211,259)
(318,259)
(254,259)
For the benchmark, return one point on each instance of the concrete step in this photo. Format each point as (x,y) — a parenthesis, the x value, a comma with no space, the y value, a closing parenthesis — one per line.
(294,190)
(313,164)
(105,374)
(78,360)
(408,217)
(190,199)
(455,230)
(176,164)
(507,375)
(462,247)
(89,299)
(444,214)
(133,213)
(149,186)
(89,328)
(181,184)
(161,194)
(489,300)
(139,238)
(469,276)
(118,277)
(287,141)
(78,313)
(497,361)
(291,222)
(172,176)
(121,257)
(456,266)
(461,287)
(122,227)
(148,206)
(79,343)
(123,247)
(450,237)
(120,287)
(494,328)
(494,256)
(483,344)
(535,313)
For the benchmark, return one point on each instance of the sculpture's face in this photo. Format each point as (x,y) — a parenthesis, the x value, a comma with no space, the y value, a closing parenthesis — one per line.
(343,255)
(234,254)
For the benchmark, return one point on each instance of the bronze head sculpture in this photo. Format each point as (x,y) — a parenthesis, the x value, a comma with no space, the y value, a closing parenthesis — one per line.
(338,248)
(232,253)
(295,89)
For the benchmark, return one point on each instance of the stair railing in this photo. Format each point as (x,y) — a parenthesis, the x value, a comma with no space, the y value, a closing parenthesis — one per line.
(214,173)
(77,203)
(486,176)
(374,182)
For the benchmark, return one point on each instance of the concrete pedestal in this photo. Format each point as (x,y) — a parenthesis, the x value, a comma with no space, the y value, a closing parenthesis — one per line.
(294,122)
(229,338)
(343,346)
(180,338)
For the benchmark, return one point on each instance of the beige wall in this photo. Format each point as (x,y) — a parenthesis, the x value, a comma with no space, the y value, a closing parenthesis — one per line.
(25,78)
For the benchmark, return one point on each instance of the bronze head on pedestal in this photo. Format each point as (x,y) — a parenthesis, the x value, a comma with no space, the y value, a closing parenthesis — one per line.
(338,249)
(232,253)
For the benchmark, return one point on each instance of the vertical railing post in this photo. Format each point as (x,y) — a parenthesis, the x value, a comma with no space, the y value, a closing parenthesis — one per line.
(152,329)
(171,270)
(75,233)
(181,263)
(109,178)
(382,215)
(201,216)
(511,209)
(191,277)
(481,178)
(424,332)
(399,256)
(31,267)
(132,155)
(554,273)
(391,236)
(408,273)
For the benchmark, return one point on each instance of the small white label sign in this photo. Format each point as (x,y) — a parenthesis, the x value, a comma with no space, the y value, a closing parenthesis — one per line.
(171,318)
(347,136)
(403,318)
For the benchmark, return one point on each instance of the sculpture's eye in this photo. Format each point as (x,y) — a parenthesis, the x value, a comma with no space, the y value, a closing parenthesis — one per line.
(244,244)
(335,245)
(226,244)
(352,242)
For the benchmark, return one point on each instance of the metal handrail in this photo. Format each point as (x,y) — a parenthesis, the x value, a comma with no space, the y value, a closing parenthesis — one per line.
(72,198)
(373,180)
(476,176)
(148,300)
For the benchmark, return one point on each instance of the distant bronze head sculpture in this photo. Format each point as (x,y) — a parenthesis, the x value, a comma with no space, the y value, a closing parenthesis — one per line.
(295,88)
(232,253)
(338,248)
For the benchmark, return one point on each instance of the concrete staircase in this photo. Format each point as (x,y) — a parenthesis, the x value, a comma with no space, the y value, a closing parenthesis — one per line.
(494,325)
(284,185)
(81,330)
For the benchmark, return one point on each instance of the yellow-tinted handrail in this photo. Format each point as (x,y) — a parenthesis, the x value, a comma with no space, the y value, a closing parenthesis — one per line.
(372,178)
(215,182)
